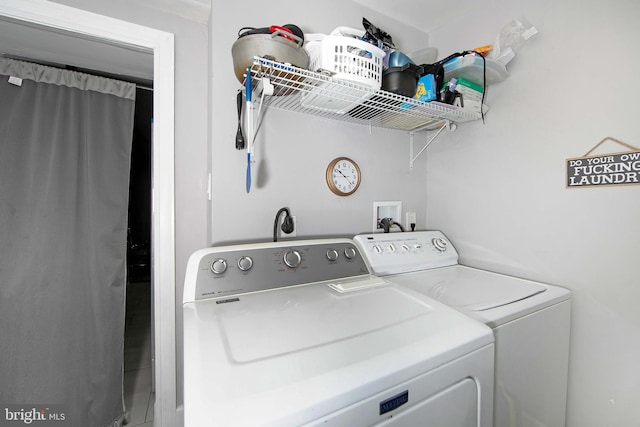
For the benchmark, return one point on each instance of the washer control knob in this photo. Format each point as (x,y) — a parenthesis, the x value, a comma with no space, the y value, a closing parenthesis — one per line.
(406,247)
(377,249)
(332,254)
(219,266)
(245,263)
(440,244)
(392,247)
(292,258)
(350,253)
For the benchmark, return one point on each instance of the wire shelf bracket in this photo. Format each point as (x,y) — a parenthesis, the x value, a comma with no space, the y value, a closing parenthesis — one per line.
(447,124)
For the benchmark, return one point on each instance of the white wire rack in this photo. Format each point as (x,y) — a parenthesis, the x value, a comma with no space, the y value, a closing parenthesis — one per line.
(320,94)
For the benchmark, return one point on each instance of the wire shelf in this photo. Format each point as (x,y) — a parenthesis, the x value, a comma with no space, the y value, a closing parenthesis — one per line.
(319,94)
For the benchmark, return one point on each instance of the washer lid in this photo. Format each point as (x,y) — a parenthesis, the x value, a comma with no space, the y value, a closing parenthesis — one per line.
(470,289)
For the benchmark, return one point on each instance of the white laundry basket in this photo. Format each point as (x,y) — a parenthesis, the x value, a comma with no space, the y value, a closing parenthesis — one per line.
(347,56)
(347,59)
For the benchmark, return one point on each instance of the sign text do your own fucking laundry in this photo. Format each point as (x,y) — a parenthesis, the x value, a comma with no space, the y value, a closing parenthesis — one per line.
(607,169)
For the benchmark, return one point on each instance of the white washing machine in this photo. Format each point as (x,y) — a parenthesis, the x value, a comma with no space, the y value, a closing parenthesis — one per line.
(301,334)
(530,320)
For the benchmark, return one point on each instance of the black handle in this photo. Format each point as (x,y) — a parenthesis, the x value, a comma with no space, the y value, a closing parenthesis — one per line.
(239,136)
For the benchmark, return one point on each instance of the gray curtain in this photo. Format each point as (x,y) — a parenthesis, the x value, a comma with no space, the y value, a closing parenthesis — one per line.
(65,147)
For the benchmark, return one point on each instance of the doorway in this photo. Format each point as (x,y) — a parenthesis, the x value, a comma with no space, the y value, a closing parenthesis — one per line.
(139,218)
(139,396)
(46,19)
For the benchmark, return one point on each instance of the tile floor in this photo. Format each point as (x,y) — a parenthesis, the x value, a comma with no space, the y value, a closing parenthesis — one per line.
(138,397)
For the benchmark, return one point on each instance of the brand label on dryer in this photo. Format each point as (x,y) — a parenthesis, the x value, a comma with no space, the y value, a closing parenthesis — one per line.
(394,402)
(225,301)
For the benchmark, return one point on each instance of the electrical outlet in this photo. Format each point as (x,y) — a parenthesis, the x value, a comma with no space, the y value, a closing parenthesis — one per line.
(410,218)
(391,210)
(282,234)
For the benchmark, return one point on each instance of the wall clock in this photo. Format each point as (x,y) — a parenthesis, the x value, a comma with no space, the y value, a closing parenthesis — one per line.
(343,176)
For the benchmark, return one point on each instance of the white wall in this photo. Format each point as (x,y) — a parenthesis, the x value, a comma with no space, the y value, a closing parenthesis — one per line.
(293,150)
(498,190)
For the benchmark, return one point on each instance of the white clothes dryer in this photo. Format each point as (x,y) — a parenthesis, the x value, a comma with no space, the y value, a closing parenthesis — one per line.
(301,334)
(530,320)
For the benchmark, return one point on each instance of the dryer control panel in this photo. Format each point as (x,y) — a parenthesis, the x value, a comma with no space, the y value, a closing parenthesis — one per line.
(230,270)
(394,253)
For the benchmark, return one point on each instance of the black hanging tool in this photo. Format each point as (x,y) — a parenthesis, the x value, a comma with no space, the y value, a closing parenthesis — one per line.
(239,135)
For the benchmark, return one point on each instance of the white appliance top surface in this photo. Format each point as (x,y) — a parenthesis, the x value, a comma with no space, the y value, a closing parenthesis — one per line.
(269,326)
(490,297)
(427,262)
(287,356)
(475,291)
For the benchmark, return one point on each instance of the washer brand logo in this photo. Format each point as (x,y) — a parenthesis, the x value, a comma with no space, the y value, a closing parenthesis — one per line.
(394,402)
(45,415)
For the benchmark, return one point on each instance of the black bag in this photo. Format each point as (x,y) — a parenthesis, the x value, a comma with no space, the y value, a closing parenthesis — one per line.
(437,69)
(376,36)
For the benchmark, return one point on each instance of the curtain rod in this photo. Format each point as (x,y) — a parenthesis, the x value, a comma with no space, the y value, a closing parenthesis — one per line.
(81,70)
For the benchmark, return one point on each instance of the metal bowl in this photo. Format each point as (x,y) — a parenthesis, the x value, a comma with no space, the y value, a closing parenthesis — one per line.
(270,46)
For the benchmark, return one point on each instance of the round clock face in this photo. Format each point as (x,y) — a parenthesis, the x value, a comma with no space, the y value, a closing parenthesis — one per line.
(343,176)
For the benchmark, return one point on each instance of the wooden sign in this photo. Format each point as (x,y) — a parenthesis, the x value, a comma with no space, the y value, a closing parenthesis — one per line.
(607,169)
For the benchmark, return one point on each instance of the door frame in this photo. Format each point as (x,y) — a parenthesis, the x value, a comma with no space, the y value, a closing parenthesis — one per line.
(100,28)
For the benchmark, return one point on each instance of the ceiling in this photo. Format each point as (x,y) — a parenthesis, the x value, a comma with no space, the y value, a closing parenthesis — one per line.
(57,48)
(425,16)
